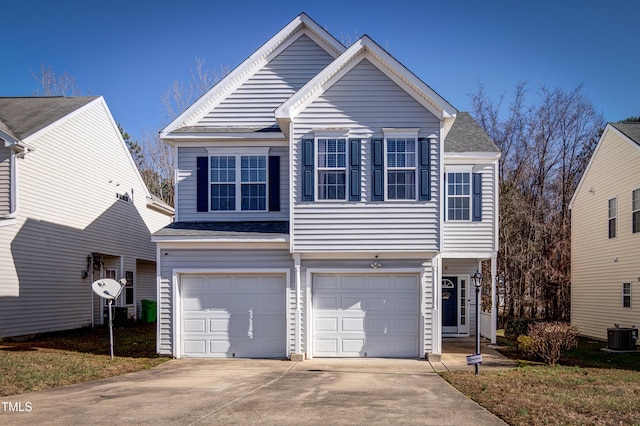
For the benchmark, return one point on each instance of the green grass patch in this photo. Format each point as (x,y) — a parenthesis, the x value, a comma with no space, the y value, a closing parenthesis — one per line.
(63,358)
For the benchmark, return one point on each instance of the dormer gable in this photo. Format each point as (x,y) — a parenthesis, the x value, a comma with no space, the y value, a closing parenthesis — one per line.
(363,49)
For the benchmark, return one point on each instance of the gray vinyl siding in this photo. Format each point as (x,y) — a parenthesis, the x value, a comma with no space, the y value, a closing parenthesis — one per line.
(210,260)
(254,101)
(467,236)
(186,201)
(145,284)
(365,100)
(5,181)
(66,213)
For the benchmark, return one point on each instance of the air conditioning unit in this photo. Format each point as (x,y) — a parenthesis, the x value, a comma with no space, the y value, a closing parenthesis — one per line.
(621,339)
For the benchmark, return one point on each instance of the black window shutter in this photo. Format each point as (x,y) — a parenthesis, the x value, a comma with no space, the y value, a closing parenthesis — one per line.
(425,169)
(307,170)
(274,183)
(377,190)
(202,177)
(477,197)
(354,170)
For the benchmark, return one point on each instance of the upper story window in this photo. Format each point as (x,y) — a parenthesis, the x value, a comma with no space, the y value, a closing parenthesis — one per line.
(332,169)
(463,192)
(401,168)
(635,211)
(613,217)
(458,196)
(237,182)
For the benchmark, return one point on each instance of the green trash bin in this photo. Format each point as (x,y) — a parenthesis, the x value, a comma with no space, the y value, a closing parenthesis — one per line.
(149,309)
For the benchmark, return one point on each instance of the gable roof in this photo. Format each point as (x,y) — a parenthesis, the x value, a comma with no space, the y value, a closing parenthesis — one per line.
(466,135)
(299,25)
(630,133)
(22,117)
(630,130)
(364,48)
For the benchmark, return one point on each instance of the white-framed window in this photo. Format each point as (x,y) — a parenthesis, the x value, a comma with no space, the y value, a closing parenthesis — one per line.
(626,295)
(459,196)
(332,168)
(111,273)
(613,217)
(401,168)
(129,298)
(238,180)
(635,211)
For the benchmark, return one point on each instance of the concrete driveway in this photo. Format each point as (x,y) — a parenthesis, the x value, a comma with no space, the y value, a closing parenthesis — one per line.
(266,392)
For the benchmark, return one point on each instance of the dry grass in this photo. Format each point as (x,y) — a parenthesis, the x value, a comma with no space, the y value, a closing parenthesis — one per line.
(590,388)
(58,359)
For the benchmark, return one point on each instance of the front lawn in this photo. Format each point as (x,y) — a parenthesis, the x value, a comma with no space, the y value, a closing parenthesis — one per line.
(56,359)
(588,387)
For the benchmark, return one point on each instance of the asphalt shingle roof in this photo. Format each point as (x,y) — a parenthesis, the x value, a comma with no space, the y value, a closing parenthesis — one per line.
(630,130)
(225,229)
(466,135)
(21,117)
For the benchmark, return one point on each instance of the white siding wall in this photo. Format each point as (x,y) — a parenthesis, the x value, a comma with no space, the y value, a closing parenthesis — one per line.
(596,278)
(470,236)
(254,102)
(210,260)
(365,100)
(187,185)
(5,181)
(68,209)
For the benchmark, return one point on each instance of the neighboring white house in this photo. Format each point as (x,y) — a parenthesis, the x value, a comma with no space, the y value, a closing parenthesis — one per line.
(73,208)
(605,235)
(328,204)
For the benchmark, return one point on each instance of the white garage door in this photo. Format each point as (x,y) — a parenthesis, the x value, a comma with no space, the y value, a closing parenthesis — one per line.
(233,316)
(366,315)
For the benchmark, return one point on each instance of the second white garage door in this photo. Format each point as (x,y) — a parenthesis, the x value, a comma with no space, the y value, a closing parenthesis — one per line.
(365,315)
(233,316)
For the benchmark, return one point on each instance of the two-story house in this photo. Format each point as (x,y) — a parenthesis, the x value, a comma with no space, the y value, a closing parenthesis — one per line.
(73,209)
(605,235)
(329,204)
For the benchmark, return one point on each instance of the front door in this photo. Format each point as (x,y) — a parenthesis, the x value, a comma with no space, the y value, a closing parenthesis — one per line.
(450,304)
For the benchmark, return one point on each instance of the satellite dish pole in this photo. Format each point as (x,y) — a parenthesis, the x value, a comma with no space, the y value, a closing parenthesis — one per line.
(109,289)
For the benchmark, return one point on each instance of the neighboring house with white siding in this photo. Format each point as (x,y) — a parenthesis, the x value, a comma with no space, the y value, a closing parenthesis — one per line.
(605,235)
(73,209)
(328,204)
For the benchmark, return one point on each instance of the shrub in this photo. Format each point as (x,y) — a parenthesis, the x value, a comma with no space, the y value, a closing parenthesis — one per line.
(525,343)
(516,327)
(549,339)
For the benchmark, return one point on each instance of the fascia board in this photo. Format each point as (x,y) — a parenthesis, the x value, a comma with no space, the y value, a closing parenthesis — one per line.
(471,157)
(178,137)
(251,65)
(219,240)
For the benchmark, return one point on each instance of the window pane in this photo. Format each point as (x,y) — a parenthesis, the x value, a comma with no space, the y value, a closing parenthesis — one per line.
(253,168)
(613,212)
(635,211)
(332,153)
(223,197)
(223,169)
(401,185)
(401,153)
(458,196)
(254,196)
(331,185)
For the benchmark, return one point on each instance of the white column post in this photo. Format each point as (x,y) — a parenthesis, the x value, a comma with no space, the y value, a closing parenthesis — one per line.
(494,299)
(298,316)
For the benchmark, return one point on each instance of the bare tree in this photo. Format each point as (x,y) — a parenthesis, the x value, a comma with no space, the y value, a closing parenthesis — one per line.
(545,147)
(52,85)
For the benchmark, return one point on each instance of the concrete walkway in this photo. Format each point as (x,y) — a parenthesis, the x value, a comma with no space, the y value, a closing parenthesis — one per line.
(265,392)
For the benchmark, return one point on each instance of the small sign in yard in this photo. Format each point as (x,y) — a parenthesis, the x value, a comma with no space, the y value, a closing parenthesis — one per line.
(474,359)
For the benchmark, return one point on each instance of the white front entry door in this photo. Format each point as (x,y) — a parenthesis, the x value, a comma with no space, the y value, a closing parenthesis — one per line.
(233,316)
(365,315)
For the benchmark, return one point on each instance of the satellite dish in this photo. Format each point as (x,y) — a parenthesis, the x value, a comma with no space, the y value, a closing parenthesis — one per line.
(107,288)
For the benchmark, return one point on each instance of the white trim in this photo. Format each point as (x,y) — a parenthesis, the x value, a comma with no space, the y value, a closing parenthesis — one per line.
(158,299)
(337,271)
(218,240)
(176,298)
(400,132)
(436,295)
(243,151)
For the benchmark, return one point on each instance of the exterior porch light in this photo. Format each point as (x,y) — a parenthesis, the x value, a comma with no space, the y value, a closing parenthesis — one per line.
(477,283)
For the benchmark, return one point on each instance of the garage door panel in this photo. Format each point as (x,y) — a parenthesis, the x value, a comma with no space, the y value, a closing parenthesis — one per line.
(377,315)
(353,324)
(244,316)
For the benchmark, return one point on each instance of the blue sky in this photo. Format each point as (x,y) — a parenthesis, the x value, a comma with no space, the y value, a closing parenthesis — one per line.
(131,51)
